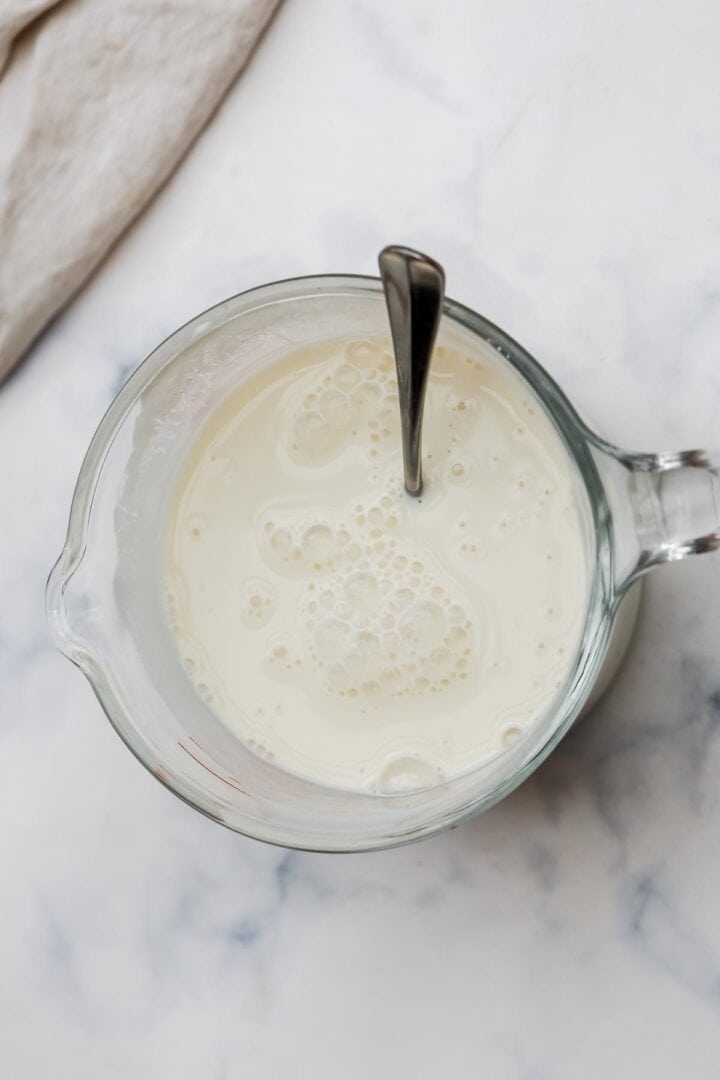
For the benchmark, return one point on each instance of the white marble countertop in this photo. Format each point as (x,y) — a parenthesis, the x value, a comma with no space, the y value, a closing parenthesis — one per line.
(562,159)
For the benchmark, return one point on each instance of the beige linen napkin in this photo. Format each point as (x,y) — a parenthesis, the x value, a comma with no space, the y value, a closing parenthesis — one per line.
(99,99)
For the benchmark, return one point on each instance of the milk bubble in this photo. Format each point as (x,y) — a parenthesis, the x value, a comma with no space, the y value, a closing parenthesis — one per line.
(361,352)
(391,644)
(317,543)
(281,542)
(330,637)
(401,598)
(281,654)
(334,407)
(257,602)
(423,624)
(337,678)
(361,590)
(313,436)
(440,663)
(346,377)
(405,774)
(510,734)
(365,398)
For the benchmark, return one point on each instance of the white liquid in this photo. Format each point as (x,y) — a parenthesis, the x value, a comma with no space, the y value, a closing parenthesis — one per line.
(349,633)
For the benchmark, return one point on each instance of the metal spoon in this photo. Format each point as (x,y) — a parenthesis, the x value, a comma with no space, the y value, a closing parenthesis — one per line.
(414,287)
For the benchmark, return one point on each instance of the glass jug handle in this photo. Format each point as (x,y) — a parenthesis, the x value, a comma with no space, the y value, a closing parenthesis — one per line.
(663,506)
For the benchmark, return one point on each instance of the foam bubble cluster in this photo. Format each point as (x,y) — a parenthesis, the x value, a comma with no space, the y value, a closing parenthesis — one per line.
(354,402)
(374,618)
(376,621)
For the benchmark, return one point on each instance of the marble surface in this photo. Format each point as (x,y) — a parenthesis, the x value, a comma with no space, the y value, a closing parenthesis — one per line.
(562,159)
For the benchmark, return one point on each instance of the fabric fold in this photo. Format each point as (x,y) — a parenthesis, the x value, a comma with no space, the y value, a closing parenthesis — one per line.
(99,100)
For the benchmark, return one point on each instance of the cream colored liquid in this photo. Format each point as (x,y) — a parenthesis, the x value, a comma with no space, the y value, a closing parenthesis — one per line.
(349,633)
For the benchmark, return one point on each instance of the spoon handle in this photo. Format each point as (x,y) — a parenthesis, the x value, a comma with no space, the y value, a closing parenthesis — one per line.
(414,287)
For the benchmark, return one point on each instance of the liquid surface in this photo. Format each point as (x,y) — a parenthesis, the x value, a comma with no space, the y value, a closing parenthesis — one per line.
(345,631)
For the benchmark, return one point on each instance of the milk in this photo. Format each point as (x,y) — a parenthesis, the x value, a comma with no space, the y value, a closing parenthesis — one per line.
(349,633)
